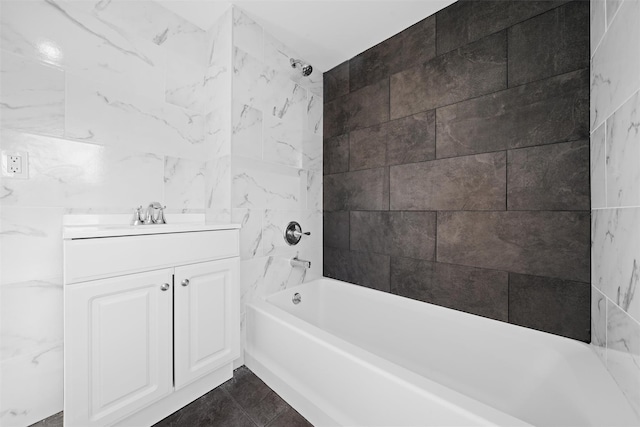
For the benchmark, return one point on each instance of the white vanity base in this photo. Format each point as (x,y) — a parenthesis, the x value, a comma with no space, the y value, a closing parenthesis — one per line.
(179,399)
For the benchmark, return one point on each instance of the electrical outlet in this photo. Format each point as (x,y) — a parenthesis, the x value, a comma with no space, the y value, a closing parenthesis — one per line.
(15,164)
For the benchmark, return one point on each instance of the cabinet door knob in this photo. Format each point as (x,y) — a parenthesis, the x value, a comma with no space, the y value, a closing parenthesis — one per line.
(164,287)
(185,282)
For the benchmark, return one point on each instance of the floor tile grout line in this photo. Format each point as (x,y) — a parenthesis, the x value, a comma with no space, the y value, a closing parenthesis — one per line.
(242,409)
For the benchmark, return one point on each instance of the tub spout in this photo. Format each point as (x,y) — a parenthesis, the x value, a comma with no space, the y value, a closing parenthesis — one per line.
(296,262)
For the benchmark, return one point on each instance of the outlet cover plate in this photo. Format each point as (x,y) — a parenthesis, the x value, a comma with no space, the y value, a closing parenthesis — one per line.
(12,170)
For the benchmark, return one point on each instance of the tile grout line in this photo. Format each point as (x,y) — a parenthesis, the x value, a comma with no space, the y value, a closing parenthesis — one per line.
(634,92)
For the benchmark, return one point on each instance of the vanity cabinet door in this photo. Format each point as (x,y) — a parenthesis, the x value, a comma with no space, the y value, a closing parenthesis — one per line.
(118,335)
(207,318)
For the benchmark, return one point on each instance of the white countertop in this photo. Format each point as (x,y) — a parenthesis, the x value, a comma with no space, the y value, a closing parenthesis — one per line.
(91,226)
(102,230)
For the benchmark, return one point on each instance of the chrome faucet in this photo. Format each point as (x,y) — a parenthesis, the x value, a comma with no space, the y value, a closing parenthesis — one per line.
(151,217)
(297,262)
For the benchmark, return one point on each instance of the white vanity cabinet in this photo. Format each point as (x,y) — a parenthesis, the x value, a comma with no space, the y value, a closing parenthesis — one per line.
(151,323)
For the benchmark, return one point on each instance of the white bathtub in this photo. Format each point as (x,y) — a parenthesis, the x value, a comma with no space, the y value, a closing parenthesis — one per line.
(352,356)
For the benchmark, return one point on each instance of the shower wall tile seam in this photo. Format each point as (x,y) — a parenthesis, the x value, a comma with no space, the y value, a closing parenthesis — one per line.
(635,320)
(562,3)
(478,210)
(634,92)
(582,282)
(487,94)
(393,165)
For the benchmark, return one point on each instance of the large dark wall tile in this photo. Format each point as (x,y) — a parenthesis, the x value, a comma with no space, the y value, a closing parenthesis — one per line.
(553,43)
(336,82)
(364,107)
(549,177)
(406,234)
(558,306)
(487,141)
(466,21)
(463,183)
(336,229)
(413,46)
(362,268)
(366,190)
(543,112)
(407,140)
(474,290)
(335,154)
(552,244)
(470,71)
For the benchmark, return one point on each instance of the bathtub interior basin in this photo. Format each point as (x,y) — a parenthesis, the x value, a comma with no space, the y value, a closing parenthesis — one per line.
(349,355)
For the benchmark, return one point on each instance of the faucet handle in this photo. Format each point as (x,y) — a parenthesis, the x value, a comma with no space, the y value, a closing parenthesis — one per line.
(137,216)
(160,219)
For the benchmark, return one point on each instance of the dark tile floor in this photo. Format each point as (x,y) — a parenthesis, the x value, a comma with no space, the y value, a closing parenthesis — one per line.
(243,401)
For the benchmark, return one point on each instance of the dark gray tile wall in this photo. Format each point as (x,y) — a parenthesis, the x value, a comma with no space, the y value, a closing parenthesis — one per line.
(457,164)
(472,70)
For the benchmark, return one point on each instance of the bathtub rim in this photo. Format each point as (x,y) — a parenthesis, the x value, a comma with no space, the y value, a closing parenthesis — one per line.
(483,414)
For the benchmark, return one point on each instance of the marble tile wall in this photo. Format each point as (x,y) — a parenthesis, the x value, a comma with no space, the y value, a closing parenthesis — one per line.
(456,171)
(615,191)
(118,104)
(276,160)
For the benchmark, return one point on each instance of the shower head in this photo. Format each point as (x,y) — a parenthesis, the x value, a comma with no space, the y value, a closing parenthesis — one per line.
(306,69)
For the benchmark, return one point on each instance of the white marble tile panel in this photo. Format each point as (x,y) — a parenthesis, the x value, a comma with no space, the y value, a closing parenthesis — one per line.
(277,56)
(220,36)
(250,80)
(217,216)
(257,184)
(312,151)
(314,190)
(186,80)
(55,32)
(598,23)
(280,275)
(599,323)
(615,70)
(246,136)
(31,96)
(73,174)
(251,279)
(111,116)
(314,113)
(30,236)
(218,82)
(218,131)
(598,164)
(612,7)
(218,185)
(184,183)
(251,231)
(285,100)
(623,353)
(30,316)
(623,155)
(148,20)
(247,34)
(283,142)
(312,250)
(31,387)
(615,256)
